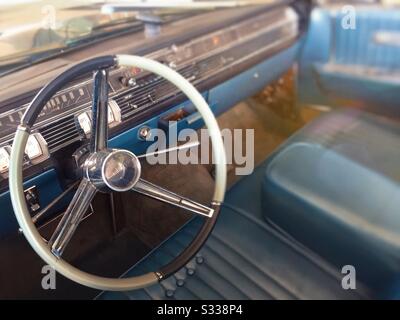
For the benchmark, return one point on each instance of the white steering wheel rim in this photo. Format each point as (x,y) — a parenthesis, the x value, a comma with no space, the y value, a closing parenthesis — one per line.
(24,218)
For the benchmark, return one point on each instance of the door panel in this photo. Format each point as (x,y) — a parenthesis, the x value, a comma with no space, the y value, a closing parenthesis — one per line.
(358,66)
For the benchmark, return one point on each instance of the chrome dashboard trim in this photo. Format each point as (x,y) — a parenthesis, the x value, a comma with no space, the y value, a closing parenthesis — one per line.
(288,22)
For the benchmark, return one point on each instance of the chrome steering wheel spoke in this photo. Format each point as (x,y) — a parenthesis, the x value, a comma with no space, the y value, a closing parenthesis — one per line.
(184,146)
(72,217)
(86,189)
(99,136)
(153,191)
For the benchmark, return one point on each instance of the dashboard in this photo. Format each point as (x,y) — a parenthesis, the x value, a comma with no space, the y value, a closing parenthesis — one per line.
(134,94)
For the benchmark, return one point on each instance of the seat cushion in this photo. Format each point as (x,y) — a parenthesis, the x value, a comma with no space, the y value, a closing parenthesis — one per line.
(335,187)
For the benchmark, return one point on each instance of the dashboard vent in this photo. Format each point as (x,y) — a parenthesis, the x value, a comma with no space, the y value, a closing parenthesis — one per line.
(190,72)
(140,97)
(60,133)
(149,91)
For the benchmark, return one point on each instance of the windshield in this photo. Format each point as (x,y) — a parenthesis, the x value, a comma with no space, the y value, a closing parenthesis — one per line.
(31,30)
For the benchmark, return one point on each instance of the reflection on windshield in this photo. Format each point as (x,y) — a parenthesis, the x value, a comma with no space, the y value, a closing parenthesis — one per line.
(33,29)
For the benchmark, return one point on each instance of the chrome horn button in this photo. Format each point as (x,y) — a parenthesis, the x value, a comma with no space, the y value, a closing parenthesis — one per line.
(121,170)
(113,170)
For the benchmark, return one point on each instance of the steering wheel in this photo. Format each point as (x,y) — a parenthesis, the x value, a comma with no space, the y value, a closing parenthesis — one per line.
(108,170)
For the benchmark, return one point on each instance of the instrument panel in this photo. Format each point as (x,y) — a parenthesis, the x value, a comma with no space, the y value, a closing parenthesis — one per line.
(60,103)
(66,117)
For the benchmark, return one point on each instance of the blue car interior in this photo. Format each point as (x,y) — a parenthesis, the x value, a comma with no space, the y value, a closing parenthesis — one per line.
(333,179)
(313,205)
(327,197)
(351,64)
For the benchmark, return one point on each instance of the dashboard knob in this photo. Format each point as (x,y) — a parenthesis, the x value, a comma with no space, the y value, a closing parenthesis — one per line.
(132,82)
(128,81)
(144,133)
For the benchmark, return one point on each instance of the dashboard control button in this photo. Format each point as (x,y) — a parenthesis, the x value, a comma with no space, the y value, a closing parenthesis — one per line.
(124,81)
(85,122)
(110,116)
(36,148)
(144,133)
(132,82)
(32,199)
(4,159)
(114,117)
(33,149)
(114,113)
(128,81)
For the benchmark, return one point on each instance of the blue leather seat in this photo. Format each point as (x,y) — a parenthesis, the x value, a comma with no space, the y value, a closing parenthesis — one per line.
(244,258)
(335,188)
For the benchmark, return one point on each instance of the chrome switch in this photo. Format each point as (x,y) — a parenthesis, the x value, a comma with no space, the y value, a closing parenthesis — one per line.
(114,117)
(36,148)
(114,113)
(4,159)
(85,122)
(32,199)
(32,148)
